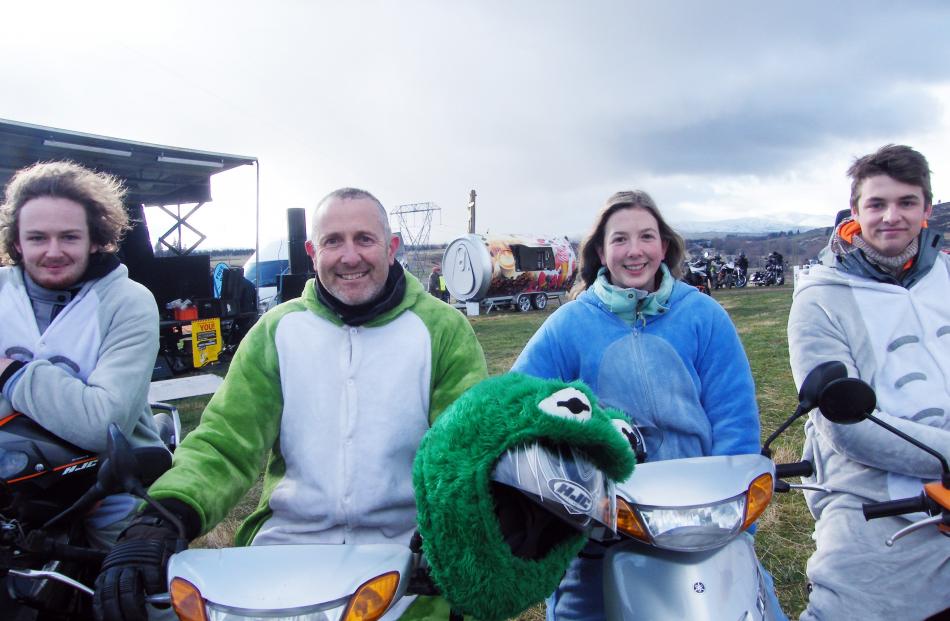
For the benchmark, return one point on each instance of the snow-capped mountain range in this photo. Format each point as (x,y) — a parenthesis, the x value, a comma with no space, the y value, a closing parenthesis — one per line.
(754,226)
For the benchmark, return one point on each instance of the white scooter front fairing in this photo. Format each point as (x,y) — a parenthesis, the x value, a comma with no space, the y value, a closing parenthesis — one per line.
(686,553)
(643,582)
(307,582)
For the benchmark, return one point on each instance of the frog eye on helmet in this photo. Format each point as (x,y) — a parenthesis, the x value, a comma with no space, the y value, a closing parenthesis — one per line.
(568,403)
(622,426)
(633,436)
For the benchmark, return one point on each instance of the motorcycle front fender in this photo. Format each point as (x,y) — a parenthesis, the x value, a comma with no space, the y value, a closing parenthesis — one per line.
(643,582)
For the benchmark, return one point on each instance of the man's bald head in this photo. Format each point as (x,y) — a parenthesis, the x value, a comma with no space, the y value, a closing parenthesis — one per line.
(350,194)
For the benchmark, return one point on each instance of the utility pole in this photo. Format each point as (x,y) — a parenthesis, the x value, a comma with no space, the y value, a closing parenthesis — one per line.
(471,212)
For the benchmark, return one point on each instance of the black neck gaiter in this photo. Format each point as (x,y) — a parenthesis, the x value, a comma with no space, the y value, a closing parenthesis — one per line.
(99,265)
(388,299)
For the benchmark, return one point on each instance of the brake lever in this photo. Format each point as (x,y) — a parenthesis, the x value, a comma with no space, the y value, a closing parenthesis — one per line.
(810,487)
(935,520)
(52,575)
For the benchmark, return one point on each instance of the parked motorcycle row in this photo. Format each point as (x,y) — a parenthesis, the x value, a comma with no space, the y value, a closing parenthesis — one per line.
(675,531)
(709,273)
(772,274)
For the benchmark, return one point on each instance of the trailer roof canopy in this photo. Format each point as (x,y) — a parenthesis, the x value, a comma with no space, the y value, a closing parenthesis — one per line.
(153,174)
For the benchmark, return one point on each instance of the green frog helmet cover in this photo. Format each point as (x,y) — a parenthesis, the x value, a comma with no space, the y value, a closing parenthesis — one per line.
(491,552)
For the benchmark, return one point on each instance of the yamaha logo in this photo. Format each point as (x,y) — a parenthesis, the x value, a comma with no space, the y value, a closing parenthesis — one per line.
(571,494)
(699,587)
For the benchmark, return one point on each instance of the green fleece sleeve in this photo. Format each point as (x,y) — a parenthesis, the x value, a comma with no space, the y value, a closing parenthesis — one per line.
(458,361)
(222,458)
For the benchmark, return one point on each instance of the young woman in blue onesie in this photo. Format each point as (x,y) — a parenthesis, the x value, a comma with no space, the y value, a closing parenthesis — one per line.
(648,345)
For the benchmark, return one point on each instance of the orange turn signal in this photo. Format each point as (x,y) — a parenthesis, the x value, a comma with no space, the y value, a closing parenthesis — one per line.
(372,598)
(628,523)
(187,600)
(938,493)
(758,497)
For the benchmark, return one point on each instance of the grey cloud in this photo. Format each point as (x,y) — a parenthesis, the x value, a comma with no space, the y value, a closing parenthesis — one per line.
(765,135)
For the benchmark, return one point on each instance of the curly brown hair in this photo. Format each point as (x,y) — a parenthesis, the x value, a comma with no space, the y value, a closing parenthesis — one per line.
(590,262)
(100,194)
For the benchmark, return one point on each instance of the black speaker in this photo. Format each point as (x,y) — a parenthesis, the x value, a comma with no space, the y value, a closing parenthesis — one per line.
(296,224)
(296,241)
(185,277)
(290,286)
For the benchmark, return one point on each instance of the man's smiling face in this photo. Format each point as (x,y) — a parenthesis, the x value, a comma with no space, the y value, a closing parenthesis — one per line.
(891,213)
(350,249)
(54,241)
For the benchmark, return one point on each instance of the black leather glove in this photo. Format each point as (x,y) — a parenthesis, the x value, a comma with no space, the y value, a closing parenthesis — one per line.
(136,566)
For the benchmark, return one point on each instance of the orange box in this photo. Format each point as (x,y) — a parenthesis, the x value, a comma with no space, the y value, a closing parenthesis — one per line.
(186,314)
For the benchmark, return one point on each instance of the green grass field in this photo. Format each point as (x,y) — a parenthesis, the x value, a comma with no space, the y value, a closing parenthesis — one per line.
(784,536)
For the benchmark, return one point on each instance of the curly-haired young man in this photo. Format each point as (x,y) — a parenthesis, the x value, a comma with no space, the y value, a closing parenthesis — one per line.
(79,338)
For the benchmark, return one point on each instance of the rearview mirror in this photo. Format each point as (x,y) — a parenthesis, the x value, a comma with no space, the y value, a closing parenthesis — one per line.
(816,381)
(847,401)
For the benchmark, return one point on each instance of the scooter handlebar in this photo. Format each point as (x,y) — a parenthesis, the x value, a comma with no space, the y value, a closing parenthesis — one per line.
(873,510)
(795,469)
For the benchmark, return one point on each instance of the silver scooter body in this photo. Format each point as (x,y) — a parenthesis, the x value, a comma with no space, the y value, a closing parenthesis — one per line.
(719,578)
(306,581)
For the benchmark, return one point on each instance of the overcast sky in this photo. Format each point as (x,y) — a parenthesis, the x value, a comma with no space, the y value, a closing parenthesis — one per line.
(545,108)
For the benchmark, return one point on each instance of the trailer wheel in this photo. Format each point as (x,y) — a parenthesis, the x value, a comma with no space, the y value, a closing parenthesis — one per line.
(524,303)
(539,300)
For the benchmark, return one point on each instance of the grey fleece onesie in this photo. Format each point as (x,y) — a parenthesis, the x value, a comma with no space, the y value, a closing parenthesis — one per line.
(897,339)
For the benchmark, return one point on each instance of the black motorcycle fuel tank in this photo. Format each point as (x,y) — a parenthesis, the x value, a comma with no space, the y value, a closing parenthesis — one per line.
(40,473)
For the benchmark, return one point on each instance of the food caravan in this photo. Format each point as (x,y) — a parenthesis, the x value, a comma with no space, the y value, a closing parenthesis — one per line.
(518,271)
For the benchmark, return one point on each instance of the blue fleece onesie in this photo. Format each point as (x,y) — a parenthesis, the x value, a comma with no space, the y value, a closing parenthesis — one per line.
(679,372)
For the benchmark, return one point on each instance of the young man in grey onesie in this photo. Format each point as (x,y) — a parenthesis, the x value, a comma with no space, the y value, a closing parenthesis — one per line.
(878,302)
(79,339)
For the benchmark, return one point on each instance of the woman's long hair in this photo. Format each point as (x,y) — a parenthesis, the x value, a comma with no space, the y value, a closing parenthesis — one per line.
(594,242)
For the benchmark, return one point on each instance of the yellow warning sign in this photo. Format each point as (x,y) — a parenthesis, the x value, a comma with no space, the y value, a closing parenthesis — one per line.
(205,341)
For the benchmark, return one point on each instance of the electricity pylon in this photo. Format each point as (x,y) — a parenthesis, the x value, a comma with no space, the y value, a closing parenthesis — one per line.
(415,223)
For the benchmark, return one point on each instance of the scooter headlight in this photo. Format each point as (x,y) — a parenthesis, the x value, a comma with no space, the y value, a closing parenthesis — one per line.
(697,527)
(686,529)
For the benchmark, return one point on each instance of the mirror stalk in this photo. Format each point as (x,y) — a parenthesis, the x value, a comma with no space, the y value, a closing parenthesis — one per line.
(945,476)
(766,451)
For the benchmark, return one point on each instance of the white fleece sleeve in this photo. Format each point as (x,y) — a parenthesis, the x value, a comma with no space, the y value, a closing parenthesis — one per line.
(816,335)
(116,390)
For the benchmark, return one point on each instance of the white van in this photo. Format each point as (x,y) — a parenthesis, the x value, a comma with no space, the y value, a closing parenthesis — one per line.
(274,262)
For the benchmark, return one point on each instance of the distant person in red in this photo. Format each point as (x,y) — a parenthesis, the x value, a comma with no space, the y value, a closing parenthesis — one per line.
(437,284)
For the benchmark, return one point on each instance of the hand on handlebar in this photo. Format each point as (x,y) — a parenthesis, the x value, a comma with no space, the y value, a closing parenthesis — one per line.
(136,566)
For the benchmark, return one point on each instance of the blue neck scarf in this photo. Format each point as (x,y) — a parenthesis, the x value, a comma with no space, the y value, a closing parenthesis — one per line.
(633,305)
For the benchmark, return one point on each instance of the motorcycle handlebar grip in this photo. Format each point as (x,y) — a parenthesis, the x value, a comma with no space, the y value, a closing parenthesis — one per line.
(873,510)
(45,547)
(795,469)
